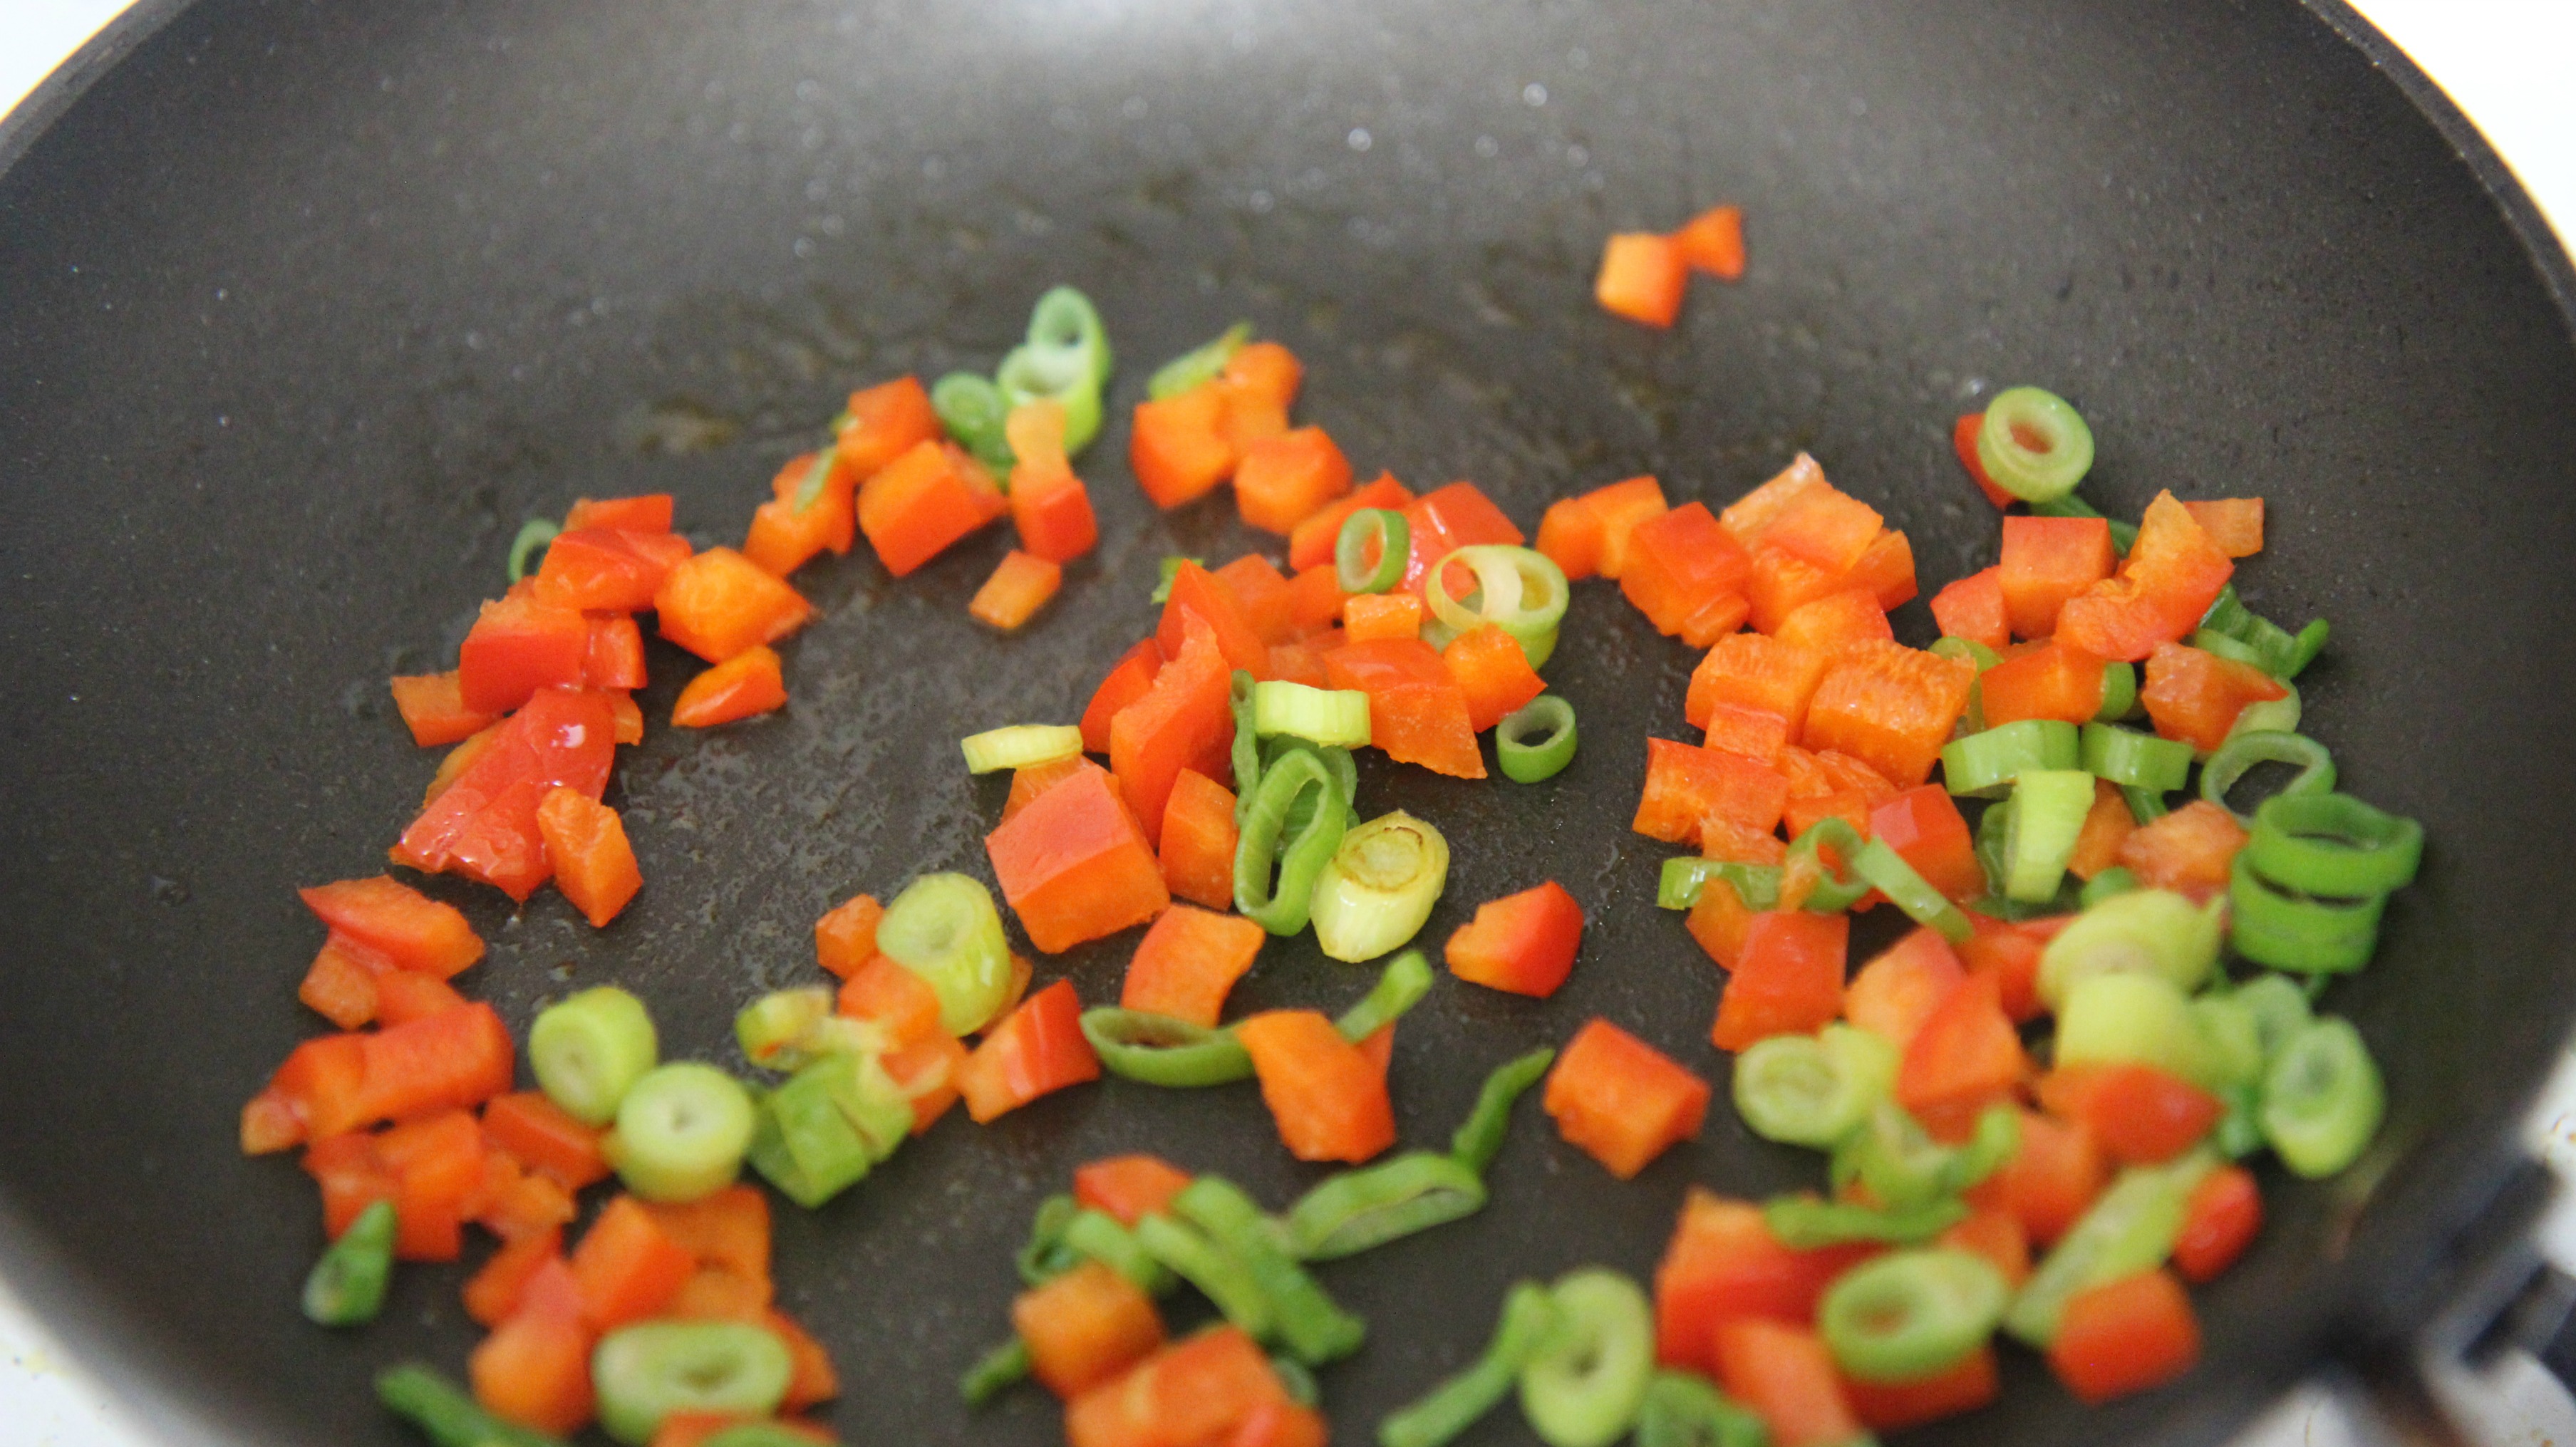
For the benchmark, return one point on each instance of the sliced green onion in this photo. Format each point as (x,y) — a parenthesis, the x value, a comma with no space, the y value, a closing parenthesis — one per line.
(2033,445)
(1682,1409)
(1583,1388)
(1887,872)
(1383,531)
(2306,645)
(1351,1211)
(1097,1236)
(1379,886)
(2048,811)
(1521,591)
(1529,1322)
(1984,766)
(1757,885)
(2129,1228)
(2109,884)
(1400,987)
(1191,1255)
(446,1414)
(1479,1138)
(2322,1099)
(995,1372)
(1245,757)
(2289,930)
(2146,931)
(2146,806)
(2333,844)
(1892,1155)
(1200,364)
(1159,1050)
(2132,759)
(2280,1010)
(1911,1314)
(2136,1017)
(804,1145)
(1949,646)
(771,1028)
(1064,320)
(1808,1223)
(533,536)
(2259,641)
(682,1132)
(1835,891)
(347,1284)
(589,1049)
(944,928)
(2119,691)
(1282,908)
(2233,649)
(2234,1037)
(1551,720)
(972,411)
(809,491)
(1021,746)
(758,1434)
(1168,568)
(2270,715)
(1066,359)
(1307,1320)
(1045,1256)
(2238,756)
(2239,1133)
(1337,763)
(1332,717)
(646,1372)
(1812,1090)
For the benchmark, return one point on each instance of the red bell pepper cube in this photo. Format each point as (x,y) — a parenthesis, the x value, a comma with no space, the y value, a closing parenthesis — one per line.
(1493,671)
(1787,1377)
(1888,1406)
(1679,562)
(1185,720)
(1779,583)
(541,1136)
(1620,1100)
(484,825)
(1923,825)
(519,644)
(1052,510)
(1723,1264)
(2010,954)
(1963,442)
(534,1369)
(721,603)
(340,984)
(648,513)
(747,685)
(1084,1327)
(2141,1115)
(2189,851)
(887,421)
(607,570)
(402,996)
(1829,784)
(923,501)
(1378,617)
(1835,622)
(1128,680)
(845,938)
(2125,1336)
(1750,733)
(1188,961)
(1713,242)
(1719,922)
(627,1266)
(2195,696)
(1204,1389)
(1686,785)
(1199,835)
(893,997)
(1029,783)
(2050,1181)
(2235,524)
(1826,528)
(1997,1236)
(1753,671)
(616,656)
(586,844)
(2051,681)
(784,536)
(2107,826)
(1327,1098)
(1417,712)
(1130,1187)
(1447,519)
(317,1085)
(451,1060)
(1965,1057)
(1523,943)
(1748,516)
(1890,706)
(2047,560)
(1197,594)
(1973,608)
(1020,585)
(1264,595)
(407,927)
(493,1292)
(1590,534)
(432,706)
(1788,981)
(436,1163)
(1315,599)
(1039,1048)
(1284,480)
(1178,447)
(1311,541)
(2220,1221)
(2174,571)
(1642,277)
(1260,382)
(1895,993)
(1074,866)
(1569,535)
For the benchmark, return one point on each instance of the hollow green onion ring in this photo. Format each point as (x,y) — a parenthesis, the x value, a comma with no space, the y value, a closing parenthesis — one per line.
(1282,908)
(1985,765)
(1393,537)
(1812,1090)
(2288,930)
(1521,591)
(1583,1388)
(2033,445)
(972,411)
(1835,891)
(1684,876)
(2238,756)
(2119,691)
(532,538)
(1549,717)
(2333,844)
(1911,1314)
(2131,759)
(1529,1319)
(2322,1099)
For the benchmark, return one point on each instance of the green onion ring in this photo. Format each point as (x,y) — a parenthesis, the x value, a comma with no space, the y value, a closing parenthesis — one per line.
(1985,765)
(1887,871)
(1282,909)
(2333,844)
(534,535)
(2131,759)
(2322,1099)
(1159,1050)
(2238,756)
(1911,1314)
(2033,445)
(1521,591)
(1524,762)
(1809,1223)
(1584,1387)
(2288,930)
(1394,539)
(1834,892)
(1757,885)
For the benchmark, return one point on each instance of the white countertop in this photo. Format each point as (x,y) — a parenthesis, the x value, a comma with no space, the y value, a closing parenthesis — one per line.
(2510,65)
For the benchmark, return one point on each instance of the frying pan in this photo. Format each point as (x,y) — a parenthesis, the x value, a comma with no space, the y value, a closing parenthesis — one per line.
(303,308)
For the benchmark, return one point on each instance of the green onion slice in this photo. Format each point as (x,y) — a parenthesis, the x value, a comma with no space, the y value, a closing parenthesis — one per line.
(1350,1211)
(1583,1388)
(1159,1050)
(2109,884)
(2119,691)
(2238,756)
(772,1028)
(1834,892)
(347,1284)
(944,928)
(1020,746)
(2286,929)
(2033,445)
(2146,806)
(2146,931)
(1911,1314)
(1097,1236)
(1525,761)
(446,1414)
(1479,1138)
(995,1372)
(533,536)
(972,411)
(1334,717)
(2270,715)
(1985,765)
(2048,811)
(803,1143)
(2322,1099)
(2129,1228)
(1807,1222)
(1378,888)
(682,1132)
(2234,1036)
(1887,872)
(587,1051)
(1314,1328)
(1683,1409)
(1529,1323)
(1192,1255)
(2134,1016)
(1813,1090)
(1282,907)
(1383,531)
(1400,987)
(646,1372)
(1200,364)
(2132,759)
(2333,844)
(1522,591)
(1757,885)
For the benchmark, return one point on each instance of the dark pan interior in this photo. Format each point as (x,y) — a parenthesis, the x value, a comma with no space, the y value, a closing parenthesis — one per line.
(304,307)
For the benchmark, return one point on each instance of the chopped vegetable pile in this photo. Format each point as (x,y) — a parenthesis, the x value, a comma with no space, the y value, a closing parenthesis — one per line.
(2032,1108)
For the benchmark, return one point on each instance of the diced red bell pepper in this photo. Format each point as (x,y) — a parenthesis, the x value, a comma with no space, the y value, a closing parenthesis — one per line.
(1750,733)
(845,938)
(586,846)
(1713,242)
(887,421)
(607,570)
(1973,608)
(2195,695)
(315,1094)
(1686,785)
(1835,622)
(1785,1374)
(1643,274)
(2173,573)
(1748,516)
(1199,835)
(1679,562)
(1963,441)
(1493,670)
(484,825)
(407,927)
(1923,825)
(1129,1187)
(1284,480)
(2107,826)
(432,706)
(1128,680)
(923,501)
(1040,1048)
(2125,1336)
(1888,1406)
(649,513)
(1825,528)
(1020,585)
(2235,524)
(436,1163)
(1890,706)
(2189,851)
(1778,583)
(1315,599)
(1788,980)
(747,685)
(520,643)
(2047,560)
(2052,681)
(1827,784)
(2049,1182)
(1311,542)
(1447,519)
(2009,953)
(492,1293)
(1075,866)
(1328,1099)
(1895,993)
(2141,1115)
(893,997)
(1523,943)
(627,1266)
(727,1231)
(1756,672)
(541,1136)
(534,1369)
(1997,1236)
(626,718)
(1377,617)
(1188,961)
(616,656)
(1264,595)
(451,1060)
(1178,447)
(1623,507)
(1417,712)
(1197,594)
(1569,535)
(1084,1327)
(1965,1057)
(1201,1390)
(340,984)
(1723,1264)
(721,603)
(784,536)
(1049,505)
(1260,382)
(1186,716)
(2221,1219)
(402,996)
(1719,922)
(1620,1100)
(351,1179)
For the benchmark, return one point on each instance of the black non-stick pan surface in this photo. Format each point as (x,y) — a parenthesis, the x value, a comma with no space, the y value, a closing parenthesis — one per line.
(303,308)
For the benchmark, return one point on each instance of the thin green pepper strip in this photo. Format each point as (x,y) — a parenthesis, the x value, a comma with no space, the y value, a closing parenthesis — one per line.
(994,1372)
(1314,1328)
(1479,1137)
(1387,530)
(1159,1050)
(533,537)
(1529,1320)
(2238,756)
(1834,891)
(347,1285)
(1400,986)
(2333,844)
(446,1414)
(1685,1410)
(1219,1276)
(1247,743)
(1552,720)
(1805,1222)
(1282,908)
(1351,1211)
(1887,870)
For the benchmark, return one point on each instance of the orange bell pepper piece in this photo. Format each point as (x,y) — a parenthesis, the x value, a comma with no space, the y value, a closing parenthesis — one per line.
(492,1293)
(1923,825)
(1680,562)
(1178,448)
(1965,1057)
(1836,622)
(2051,681)
(1084,1327)
(2235,524)
(534,1369)
(616,656)
(1891,707)
(721,603)
(627,1266)
(1788,981)
(1713,242)
(1130,1187)
(1963,442)
(1074,865)
(2174,571)
(2125,1336)
(1893,994)
(2189,850)
(1049,505)
(1447,519)
(1494,673)
(2047,561)
(607,570)
(1787,1377)
(845,938)
(923,501)
(1128,680)
(1284,480)
(1973,608)
(519,644)
(1642,277)
(537,1132)
(1523,943)
(1199,835)
(1328,1099)
(586,843)
(1723,1264)
(1887,1406)
(648,513)
(1686,785)
(1375,617)
(1312,540)
(784,536)
(2107,826)
(2196,696)
(1039,1048)
(1205,1389)
(1187,961)
(402,996)
(432,706)
(887,421)
(1196,593)
(484,824)
(1620,1100)
(1020,585)
(1417,711)
(747,685)
(1263,594)
(2049,1182)
(2219,1222)
(1756,672)
(1184,720)
(2141,1115)
(340,985)
(407,927)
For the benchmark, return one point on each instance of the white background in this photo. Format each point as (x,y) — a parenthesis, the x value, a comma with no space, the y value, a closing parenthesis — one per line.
(2510,64)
